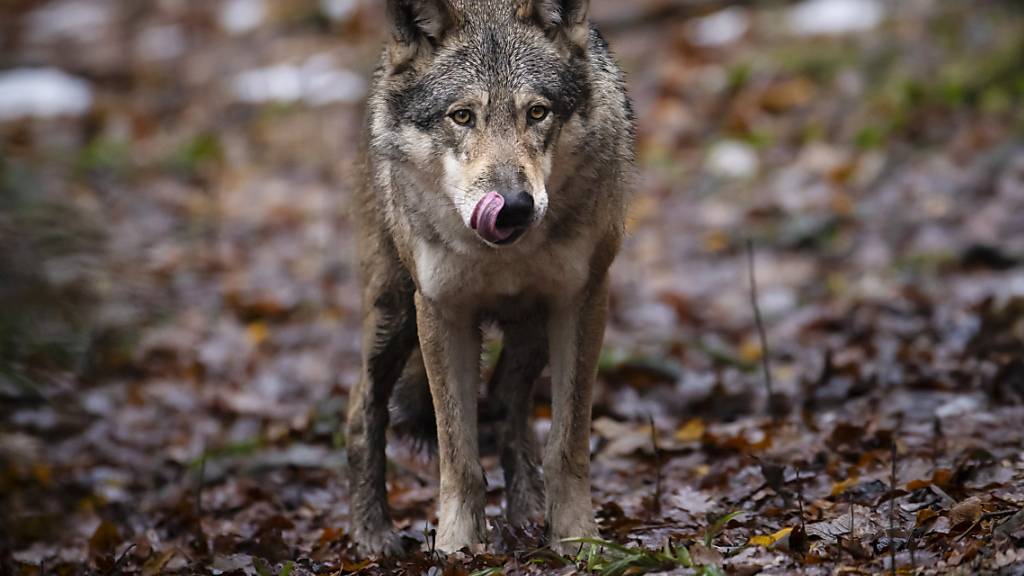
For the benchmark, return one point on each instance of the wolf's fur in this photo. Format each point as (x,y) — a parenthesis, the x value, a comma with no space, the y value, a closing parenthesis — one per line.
(429,281)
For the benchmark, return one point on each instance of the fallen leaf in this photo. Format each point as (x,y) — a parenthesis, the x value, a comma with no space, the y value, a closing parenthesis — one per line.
(104,540)
(1012,527)
(766,541)
(704,555)
(257,332)
(924,515)
(839,487)
(155,565)
(692,431)
(694,502)
(968,511)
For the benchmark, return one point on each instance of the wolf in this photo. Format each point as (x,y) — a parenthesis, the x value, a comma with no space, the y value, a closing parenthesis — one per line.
(499,149)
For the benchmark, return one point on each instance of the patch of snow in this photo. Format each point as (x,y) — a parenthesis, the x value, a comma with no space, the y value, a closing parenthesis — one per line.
(80,20)
(42,93)
(241,16)
(732,159)
(721,28)
(338,10)
(317,82)
(958,406)
(159,43)
(280,83)
(834,17)
(325,84)
(777,301)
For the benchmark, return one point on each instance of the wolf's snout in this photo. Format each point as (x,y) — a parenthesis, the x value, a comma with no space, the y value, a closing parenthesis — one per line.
(501,219)
(518,211)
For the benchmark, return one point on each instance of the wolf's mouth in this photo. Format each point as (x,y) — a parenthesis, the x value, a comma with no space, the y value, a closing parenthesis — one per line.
(485,221)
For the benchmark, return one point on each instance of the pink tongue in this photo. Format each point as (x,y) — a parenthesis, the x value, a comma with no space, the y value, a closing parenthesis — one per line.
(485,218)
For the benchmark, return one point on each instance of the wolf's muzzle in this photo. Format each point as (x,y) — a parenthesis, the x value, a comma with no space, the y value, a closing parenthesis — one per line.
(502,219)
(518,211)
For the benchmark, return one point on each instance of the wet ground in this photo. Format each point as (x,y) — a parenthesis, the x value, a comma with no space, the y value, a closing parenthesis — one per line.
(179,307)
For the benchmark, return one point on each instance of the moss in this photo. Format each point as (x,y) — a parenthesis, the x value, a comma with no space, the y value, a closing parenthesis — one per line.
(105,157)
(199,154)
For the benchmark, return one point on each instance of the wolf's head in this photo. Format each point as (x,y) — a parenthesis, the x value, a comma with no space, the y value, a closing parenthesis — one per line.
(478,94)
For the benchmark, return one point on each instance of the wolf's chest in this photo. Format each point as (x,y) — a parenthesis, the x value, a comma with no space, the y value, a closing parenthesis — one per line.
(478,280)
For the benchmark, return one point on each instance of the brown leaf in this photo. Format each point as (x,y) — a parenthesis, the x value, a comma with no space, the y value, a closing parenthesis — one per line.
(941,526)
(104,540)
(455,568)
(846,436)
(692,431)
(788,94)
(968,511)
(155,565)
(966,554)
(704,555)
(798,540)
(1012,527)
(840,487)
(924,515)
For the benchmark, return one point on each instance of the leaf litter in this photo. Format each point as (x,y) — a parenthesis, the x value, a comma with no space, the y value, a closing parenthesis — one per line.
(176,367)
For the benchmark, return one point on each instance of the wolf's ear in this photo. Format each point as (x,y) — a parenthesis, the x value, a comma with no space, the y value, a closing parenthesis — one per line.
(418,26)
(568,17)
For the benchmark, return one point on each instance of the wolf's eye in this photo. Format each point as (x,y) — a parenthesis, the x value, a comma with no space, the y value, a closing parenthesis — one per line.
(538,113)
(462,117)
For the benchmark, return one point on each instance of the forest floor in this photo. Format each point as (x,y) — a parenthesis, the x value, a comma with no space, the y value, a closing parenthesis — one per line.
(179,311)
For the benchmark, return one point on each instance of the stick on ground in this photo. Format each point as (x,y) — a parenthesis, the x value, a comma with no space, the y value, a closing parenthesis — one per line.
(892,511)
(657,468)
(760,328)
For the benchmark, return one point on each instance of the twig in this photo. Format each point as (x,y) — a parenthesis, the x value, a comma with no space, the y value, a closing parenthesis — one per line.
(892,511)
(839,550)
(760,328)
(432,540)
(199,488)
(657,467)
(937,438)
(800,498)
(116,568)
(853,532)
(912,543)
(201,481)
(967,532)
(999,514)
(798,538)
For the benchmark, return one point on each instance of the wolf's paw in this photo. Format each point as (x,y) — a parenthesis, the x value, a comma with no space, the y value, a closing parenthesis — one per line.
(453,544)
(381,542)
(571,529)
(525,504)
(465,533)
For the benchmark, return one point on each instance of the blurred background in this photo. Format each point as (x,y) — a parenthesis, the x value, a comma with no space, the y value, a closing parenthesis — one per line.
(179,312)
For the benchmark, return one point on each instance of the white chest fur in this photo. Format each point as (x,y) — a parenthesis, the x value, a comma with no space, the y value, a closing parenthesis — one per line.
(553,271)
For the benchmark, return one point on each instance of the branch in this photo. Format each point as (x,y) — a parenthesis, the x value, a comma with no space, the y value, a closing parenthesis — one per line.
(760,329)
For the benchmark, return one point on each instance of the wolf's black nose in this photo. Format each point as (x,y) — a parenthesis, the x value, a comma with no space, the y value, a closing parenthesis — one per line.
(517,212)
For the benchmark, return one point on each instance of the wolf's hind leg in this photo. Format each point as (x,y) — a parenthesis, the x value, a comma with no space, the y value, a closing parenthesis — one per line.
(523,357)
(389,334)
(412,410)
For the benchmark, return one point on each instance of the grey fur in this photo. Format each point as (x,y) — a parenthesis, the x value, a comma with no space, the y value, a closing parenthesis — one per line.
(428,278)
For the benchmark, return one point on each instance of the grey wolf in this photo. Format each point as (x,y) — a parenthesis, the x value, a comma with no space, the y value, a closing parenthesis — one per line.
(498,153)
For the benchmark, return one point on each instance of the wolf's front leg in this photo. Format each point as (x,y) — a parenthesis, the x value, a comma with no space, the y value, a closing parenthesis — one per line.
(450,344)
(576,331)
